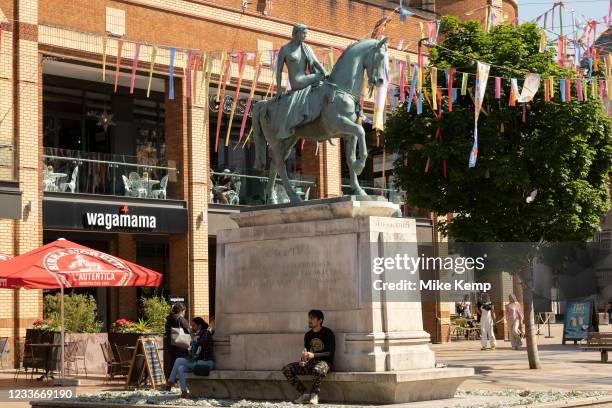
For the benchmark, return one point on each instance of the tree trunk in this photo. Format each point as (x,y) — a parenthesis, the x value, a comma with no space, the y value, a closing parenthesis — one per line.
(530,330)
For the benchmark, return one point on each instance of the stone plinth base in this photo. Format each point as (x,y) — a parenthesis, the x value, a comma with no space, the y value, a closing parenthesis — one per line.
(350,387)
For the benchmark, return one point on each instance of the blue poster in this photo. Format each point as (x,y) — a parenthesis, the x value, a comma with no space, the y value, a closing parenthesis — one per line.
(577,320)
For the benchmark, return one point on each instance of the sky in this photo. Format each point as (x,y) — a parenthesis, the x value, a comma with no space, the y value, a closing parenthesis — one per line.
(530,9)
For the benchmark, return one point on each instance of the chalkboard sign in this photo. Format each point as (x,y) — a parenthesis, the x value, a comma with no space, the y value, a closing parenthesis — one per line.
(146,365)
(154,365)
(577,320)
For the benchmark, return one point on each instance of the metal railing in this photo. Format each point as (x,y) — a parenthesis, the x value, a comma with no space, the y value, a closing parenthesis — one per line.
(70,171)
(248,187)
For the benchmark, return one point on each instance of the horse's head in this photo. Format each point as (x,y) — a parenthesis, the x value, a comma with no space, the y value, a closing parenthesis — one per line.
(375,64)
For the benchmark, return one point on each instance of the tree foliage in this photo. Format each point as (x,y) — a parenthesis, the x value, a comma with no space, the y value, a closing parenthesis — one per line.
(562,150)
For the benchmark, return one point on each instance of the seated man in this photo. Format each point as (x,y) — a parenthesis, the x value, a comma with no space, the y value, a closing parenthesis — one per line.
(317,358)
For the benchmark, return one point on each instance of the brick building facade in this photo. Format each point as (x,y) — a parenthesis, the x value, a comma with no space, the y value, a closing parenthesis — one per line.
(51,44)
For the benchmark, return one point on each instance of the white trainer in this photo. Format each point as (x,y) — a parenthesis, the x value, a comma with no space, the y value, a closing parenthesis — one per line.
(314,399)
(304,398)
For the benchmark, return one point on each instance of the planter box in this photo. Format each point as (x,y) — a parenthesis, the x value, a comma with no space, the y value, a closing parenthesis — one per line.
(130,339)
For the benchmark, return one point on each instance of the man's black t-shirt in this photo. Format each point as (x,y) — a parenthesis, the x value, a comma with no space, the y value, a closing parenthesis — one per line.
(321,343)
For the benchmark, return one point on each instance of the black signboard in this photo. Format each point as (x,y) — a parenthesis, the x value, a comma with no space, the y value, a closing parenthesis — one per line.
(177,298)
(580,318)
(114,214)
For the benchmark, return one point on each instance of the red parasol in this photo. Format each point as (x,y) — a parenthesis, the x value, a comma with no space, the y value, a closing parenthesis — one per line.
(64,264)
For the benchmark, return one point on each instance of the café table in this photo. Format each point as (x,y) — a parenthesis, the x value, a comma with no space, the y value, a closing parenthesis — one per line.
(57,177)
(149,184)
(50,362)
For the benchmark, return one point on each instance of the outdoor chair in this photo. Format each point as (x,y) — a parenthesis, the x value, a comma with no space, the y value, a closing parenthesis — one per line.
(161,193)
(138,189)
(4,350)
(48,181)
(113,367)
(75,353)
(127,185)
(26,362)
(72,185)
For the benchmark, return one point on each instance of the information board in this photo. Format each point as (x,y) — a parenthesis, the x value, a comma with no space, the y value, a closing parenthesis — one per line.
(577,320)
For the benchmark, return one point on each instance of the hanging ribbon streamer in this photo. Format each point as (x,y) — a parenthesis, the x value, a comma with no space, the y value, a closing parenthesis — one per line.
(188,73)
(464,82)
(497,87)
(513,92)
(449,84)
(568,90)
(134,66)
(221,97)
(601,90)
(585,89)
(551,87)
(579,89)
(171,75)
(104,48)
(206,81)
(247,109)
(236,93)
(330,60)
(482,75)
(543,40)
(413,84)
(546,91)
(151,67)
(119,48)
(433,73)
(221,77)
(402,82)
(562,89)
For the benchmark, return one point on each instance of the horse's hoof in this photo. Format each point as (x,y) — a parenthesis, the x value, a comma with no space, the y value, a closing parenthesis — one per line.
(359,192)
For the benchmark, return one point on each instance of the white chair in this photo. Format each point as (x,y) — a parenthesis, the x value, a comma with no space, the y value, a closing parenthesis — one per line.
(48,181)
(161,193)
(138,188)
(73,181)
(127,186)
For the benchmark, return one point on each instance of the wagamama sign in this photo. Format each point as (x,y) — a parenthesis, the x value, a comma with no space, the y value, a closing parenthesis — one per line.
(124,221)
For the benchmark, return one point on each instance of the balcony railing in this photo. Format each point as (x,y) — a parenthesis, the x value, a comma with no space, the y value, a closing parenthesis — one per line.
(7,162)
(248,187)
(70,171)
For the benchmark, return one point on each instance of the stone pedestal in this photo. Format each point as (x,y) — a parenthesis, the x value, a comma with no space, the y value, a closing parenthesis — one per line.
(282,262)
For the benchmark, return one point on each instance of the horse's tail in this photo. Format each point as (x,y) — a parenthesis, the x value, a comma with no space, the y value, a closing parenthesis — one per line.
(258,137)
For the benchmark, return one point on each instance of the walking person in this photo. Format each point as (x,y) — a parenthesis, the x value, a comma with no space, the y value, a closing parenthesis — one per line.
(514,315)
(317,359)
(200,353)
(174,320)
(487,323)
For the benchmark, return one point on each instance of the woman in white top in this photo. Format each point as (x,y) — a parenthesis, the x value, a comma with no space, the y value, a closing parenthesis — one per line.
(487,323)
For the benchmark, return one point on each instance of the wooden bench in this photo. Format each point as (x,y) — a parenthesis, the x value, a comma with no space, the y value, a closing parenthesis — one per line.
(601,342)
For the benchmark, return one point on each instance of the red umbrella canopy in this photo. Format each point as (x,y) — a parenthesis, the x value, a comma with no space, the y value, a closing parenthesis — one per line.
(65,263)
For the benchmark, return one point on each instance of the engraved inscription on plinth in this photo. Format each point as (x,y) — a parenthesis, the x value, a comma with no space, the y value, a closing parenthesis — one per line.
(291,275)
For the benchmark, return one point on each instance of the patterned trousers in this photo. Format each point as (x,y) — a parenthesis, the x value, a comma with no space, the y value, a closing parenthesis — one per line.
(317,368)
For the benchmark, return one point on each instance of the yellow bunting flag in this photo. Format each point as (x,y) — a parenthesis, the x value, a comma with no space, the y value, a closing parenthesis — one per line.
(151,67)
(464,81)
(551,87)
(433,73)
(237,92)
(422,29)
(221,71)
(585,93)
(104,47)
(543,40)
(330,59)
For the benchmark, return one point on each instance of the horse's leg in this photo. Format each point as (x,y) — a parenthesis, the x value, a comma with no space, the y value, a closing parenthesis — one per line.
(270,196)
(281,150)
(353,132)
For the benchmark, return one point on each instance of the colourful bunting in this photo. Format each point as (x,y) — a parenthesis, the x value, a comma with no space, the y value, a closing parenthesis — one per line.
(579,89)
(497,87)
(464,81)
(134,66)
(104,47)
(151,67)
(450,79)
(221,97)
(482,75)
(568,90)
(236,93)
(119,47)
(247,109)
(171,75)
(221,77)
(434,86)
(562,89)
(412,86)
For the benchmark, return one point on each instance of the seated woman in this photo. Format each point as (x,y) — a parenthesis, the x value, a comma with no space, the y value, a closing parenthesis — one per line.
(200,353)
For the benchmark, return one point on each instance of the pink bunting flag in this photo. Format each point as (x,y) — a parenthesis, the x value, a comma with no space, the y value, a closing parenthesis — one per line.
(402,80)
(134,66)
(568,90)
(497,87)
(119,48)
(579,89)
(601,90)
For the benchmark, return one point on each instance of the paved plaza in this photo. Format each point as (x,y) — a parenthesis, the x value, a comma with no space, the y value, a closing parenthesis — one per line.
(565,368)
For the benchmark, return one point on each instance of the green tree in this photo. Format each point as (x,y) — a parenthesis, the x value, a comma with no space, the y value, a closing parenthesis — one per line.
(562,151)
